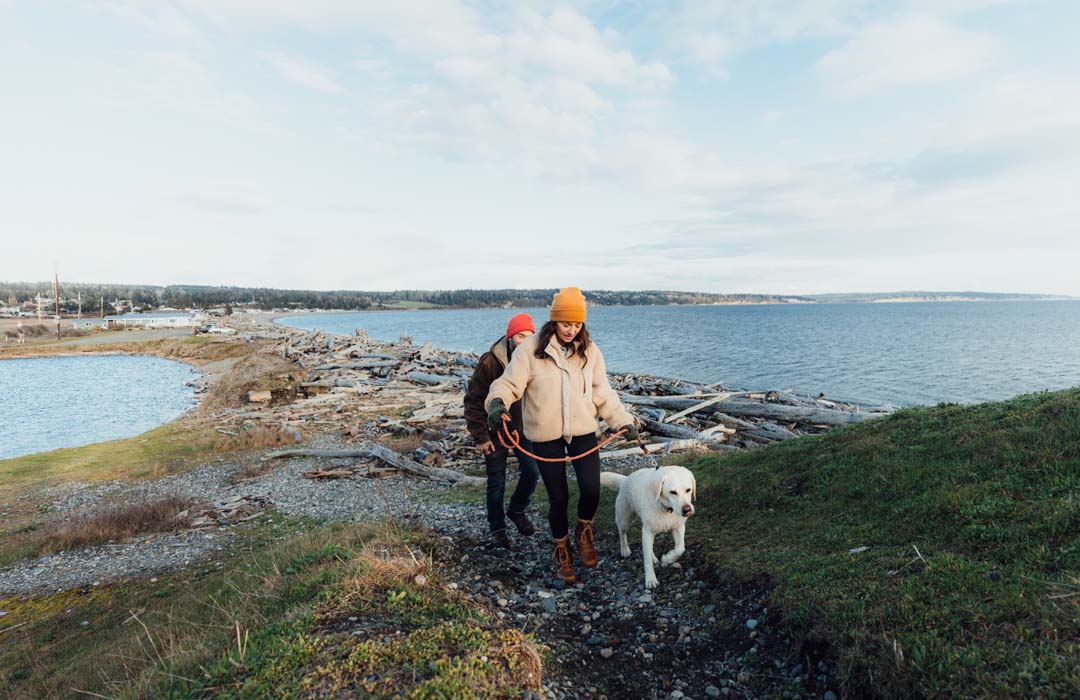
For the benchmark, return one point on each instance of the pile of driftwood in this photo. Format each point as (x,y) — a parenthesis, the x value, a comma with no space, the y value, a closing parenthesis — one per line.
(235,509)
(725,418)
(401,405)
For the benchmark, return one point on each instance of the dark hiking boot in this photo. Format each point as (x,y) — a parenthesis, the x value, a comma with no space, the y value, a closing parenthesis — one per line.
(499,539)
(563,559)
(583,538)
(521,521)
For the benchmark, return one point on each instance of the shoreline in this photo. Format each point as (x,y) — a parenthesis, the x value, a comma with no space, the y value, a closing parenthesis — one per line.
(898,300)
(207,371)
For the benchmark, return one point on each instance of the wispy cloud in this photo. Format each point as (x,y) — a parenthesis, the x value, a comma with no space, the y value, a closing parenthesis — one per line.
(304,72)
(904,51)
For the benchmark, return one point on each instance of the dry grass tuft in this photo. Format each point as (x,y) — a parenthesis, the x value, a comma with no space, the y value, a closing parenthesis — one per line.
(380,564)
(525,664)
(259,437)
(251,470)
(111,525)
(258,371)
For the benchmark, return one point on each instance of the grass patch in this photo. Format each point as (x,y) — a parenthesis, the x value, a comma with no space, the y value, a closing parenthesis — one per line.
(158,452)
(989,606)
(256,371)
(194,349)
(112,524)
(273,623)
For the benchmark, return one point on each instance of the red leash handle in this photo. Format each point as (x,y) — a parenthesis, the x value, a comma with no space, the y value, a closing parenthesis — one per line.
(513,437)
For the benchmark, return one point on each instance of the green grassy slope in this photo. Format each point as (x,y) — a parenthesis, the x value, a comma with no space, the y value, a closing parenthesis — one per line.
(277,621)
(989,605)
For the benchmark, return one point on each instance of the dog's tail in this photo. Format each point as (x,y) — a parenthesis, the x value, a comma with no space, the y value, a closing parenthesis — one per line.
(612,480)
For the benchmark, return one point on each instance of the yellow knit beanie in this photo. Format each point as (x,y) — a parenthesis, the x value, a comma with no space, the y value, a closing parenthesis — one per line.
(568,305)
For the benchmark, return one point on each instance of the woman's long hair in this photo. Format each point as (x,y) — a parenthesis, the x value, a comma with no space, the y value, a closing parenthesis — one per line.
(580,345)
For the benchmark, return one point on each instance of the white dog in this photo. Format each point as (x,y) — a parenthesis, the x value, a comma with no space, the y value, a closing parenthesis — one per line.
(662,499)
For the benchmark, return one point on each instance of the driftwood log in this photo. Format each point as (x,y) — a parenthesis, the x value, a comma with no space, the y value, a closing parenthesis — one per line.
(363,364)
(735,407)
(431,379)
(680,433)
(392,458)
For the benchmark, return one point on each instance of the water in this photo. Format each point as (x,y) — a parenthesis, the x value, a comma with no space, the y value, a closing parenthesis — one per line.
(55,402)
(897,353)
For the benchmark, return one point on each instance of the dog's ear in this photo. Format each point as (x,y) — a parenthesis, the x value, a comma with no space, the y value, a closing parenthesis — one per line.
(693,487)
(660,488)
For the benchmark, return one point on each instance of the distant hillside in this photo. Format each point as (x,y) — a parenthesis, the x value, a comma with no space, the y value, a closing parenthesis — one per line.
(202,296)
(929,296)
(182,296)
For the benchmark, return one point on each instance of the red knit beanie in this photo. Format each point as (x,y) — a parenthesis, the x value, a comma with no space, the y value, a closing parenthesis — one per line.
(518,324)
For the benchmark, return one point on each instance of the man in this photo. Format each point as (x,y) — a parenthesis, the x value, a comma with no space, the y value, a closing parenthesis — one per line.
(488,369)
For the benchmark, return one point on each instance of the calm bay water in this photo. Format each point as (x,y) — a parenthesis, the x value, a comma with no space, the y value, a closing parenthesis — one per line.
(54,402)
(898,353)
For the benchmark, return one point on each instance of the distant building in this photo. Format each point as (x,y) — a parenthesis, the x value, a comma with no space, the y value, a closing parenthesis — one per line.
(158,319)
(88,324)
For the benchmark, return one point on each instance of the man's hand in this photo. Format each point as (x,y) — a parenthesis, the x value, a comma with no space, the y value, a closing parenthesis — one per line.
(496,411)
(487,447)
(631,432)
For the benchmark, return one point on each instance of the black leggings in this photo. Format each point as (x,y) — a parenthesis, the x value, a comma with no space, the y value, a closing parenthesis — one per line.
(554,475)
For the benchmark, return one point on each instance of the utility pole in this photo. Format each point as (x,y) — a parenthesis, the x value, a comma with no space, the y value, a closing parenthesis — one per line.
(56,295)
(103,307)
(79,297)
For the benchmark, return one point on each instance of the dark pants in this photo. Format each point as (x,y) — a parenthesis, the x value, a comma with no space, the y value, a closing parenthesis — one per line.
(554,474)
(496,484)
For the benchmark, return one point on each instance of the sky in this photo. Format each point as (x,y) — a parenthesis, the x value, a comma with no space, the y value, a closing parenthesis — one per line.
(764,146)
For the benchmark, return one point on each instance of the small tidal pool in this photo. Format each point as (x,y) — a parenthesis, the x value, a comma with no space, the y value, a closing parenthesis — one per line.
(52,402)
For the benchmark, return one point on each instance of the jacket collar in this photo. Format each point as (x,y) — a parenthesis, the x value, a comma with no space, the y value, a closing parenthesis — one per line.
(554,351)
(501,350)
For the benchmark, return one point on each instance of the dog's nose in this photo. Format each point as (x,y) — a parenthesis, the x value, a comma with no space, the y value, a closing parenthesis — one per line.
(687,511)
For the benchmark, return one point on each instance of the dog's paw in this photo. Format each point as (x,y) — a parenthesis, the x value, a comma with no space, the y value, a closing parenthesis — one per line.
(651,582)
(655,561)
(625,551)
(669,558)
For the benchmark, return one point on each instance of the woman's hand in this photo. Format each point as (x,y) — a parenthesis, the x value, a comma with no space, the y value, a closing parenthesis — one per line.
(631,432)
(496,410)
(487,447)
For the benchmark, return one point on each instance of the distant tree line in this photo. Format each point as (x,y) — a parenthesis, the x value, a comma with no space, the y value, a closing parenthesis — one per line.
(197,296)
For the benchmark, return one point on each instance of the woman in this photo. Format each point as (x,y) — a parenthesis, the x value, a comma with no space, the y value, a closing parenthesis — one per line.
(561,374)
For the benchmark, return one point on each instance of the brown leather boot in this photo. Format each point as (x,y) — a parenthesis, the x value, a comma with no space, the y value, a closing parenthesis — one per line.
(563,559)
(522,523)
(583,537)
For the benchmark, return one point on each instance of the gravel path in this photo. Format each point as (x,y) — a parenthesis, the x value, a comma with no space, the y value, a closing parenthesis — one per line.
(690,638)
(285,486)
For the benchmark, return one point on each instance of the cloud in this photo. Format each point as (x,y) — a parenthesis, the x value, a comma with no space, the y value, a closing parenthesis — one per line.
(304,72)
(159,17)
(228,198)
(905,51)
(568,44)
(710,36)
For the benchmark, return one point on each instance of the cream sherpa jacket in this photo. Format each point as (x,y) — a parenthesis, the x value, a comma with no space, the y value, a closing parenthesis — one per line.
(561,396)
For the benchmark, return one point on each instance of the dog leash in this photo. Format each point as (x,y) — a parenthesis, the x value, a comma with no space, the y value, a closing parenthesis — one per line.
(508,434)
